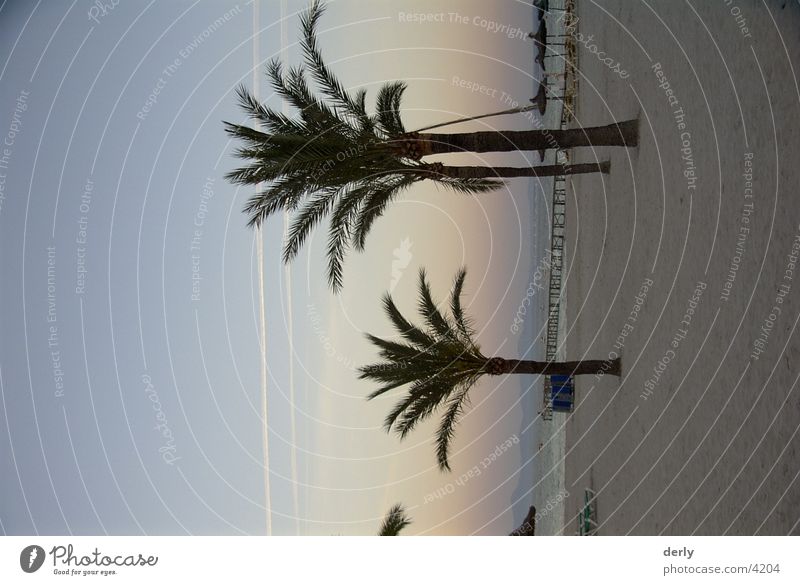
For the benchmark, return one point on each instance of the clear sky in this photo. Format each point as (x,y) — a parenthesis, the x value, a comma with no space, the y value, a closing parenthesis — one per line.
(130,351)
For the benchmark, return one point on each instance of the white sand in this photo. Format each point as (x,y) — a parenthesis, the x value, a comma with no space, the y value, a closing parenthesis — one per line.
(714,448)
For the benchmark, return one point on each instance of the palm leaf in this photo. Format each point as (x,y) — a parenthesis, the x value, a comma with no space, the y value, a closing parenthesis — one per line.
(275,122)
(322,74)
(394,521)
(446,430)
(393,351)
(438,365)
(459,317)
(429,310)
(408,330)
(421,402)
(375,204)
(469,186)
(330,159)
(283,194)
(422,399)
(339,232)
(388,108)
(391,385)
(305,220)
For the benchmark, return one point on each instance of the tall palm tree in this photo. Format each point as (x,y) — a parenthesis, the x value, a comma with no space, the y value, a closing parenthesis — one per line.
(440,362)
(336,159)
(395,520)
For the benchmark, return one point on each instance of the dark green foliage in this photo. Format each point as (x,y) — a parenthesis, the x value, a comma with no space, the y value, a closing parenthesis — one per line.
(332,159)
(396,519)
(438,361)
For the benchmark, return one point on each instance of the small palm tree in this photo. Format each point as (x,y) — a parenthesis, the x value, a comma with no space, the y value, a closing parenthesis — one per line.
(335,159)
(528,526)
(440,362)
(396,519)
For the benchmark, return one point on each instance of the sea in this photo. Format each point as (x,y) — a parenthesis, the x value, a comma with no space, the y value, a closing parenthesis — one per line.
(544,442)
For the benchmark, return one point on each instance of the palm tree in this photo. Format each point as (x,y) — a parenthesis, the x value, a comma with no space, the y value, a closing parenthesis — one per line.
(440,362)
(396,519)
(336,159)
(528,526)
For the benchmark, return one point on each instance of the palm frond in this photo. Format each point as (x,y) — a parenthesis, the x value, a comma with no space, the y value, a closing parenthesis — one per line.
(393,351)
(388,108)
(293,88)
(247,175)
(375,204)
(275,122)
(391,385)
(339,231)
(283,194)
(459,316)
(422,400)
(429,310)
(329,83)
(446,430)
(438,363)
(395,520)
(469,186)
(409,331)
(307,217)
(331,158)
(246,134)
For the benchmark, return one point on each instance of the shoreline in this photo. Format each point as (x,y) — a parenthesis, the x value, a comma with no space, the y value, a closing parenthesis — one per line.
(551,487)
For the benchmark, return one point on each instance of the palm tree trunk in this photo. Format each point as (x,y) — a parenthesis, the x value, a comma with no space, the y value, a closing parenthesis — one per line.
(540,171)
(612,367)
(617,134)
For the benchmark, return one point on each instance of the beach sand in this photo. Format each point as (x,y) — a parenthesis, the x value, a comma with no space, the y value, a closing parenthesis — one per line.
(710,444)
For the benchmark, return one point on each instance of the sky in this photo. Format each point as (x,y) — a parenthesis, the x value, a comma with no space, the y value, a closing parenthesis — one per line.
(131,394)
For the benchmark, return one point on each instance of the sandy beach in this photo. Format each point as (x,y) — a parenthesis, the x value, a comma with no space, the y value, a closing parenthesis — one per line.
(683,261)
